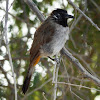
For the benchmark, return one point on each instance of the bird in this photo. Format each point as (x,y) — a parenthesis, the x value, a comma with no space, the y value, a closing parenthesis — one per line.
(49,39)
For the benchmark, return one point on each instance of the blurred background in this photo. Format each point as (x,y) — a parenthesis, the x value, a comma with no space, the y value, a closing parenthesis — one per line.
(84,44)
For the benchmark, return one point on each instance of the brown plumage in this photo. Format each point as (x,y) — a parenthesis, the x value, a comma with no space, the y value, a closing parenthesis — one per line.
(35,55)
(49,39)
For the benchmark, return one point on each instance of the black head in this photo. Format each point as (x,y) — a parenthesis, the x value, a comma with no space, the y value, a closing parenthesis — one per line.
(60,16)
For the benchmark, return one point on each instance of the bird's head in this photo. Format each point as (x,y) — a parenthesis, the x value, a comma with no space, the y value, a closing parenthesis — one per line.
(61,16)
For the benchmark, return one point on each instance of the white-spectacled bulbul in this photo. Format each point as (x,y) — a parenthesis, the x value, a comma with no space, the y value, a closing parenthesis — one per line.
(49,39)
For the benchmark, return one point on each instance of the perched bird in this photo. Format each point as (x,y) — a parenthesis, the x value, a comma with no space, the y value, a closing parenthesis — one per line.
(49,39)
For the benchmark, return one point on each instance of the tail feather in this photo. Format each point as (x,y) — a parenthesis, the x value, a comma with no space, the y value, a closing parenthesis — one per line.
(27,80)
(29,74)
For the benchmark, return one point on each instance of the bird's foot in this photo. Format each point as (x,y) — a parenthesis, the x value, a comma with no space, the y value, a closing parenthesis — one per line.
(57,60)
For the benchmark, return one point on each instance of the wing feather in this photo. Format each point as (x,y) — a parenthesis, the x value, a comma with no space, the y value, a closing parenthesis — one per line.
(43,35)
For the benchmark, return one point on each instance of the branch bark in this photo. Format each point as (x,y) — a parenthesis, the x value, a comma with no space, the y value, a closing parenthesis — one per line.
(35,9)
(86,74)
(80,11)
(9,55)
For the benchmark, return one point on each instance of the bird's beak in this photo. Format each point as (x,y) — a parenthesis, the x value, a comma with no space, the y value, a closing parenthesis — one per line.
(69,16)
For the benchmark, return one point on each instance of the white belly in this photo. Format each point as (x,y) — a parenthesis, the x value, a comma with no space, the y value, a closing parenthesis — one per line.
(60,39)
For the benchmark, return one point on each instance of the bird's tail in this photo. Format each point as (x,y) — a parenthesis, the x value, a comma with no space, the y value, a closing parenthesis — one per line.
(29,74)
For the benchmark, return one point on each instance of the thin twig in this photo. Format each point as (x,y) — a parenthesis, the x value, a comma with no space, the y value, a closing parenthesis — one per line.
(2,22)
(73,78)
(37,88)
(69,82)
(75,6)
(86,74)
(8,9)
(6,41)
(85,63)
(54,71)
(16,17)
(34,8)
(44,96)
(55,78)
(75,85)
(98,7)
(79,18)
(76,22)
(1,30)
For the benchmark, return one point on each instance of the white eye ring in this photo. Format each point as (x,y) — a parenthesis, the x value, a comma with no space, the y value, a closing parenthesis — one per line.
(55,17)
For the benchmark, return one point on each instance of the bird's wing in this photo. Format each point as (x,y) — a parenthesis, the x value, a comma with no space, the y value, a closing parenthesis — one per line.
(43,35)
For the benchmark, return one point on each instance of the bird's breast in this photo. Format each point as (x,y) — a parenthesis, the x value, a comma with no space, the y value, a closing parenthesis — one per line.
(60,35)
(59,39)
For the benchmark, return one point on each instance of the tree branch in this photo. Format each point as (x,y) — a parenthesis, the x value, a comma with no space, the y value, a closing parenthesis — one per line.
(35,10)
(75,85)
(17,18)
(95,25)
(36,89)
(75,22)
(6,41)
(55,78)
(68,55)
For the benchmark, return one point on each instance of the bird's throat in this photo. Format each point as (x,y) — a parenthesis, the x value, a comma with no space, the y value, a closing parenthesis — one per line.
(63,22)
